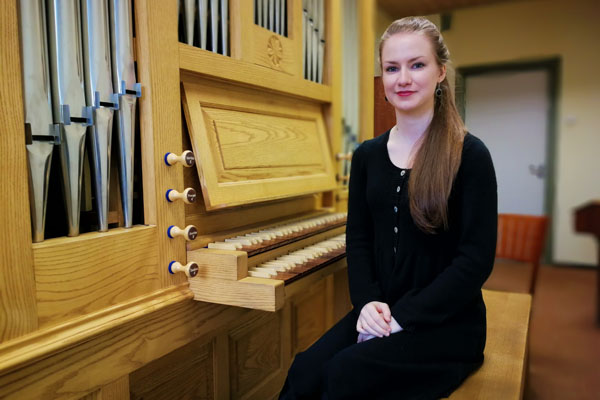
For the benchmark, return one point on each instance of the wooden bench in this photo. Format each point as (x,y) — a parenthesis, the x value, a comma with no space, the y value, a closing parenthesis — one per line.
(502,375)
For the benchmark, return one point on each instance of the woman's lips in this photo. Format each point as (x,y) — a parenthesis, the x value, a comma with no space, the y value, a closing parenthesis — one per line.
(405,93)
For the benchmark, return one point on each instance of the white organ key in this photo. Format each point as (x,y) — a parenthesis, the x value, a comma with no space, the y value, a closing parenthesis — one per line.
(245,242)
(273,269)
(259,274)
(295,257)
(224,246)
(284,264)
(245,238)
(260,236)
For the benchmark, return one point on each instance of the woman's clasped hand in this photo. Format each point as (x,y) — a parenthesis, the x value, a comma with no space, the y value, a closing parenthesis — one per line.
(375,320)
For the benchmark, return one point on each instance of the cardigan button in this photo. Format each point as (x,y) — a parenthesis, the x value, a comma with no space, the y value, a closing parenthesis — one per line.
(398,189)
(395,229)
(395,209)
(402,173)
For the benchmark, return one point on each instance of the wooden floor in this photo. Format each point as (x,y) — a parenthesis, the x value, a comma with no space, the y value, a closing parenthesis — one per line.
(564,346)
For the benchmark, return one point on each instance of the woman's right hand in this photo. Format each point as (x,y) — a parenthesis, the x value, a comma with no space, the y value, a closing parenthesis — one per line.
(374,319)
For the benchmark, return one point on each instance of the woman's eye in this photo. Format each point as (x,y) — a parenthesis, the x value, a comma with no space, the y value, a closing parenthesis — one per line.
(418,65)
(391,69)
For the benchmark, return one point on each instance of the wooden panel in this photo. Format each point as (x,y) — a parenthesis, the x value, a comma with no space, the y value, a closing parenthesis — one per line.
(76,276)
(256,293)
(309,316)
(366,32)
(17,286)
(501,375)
(332,77)
(220,264)
(95,395)
(254,141)
(198,62)
(116,390)
(158,71)
(74,366)
(254,353)
(252,177)
(186,373)
(341,303)
(254,44)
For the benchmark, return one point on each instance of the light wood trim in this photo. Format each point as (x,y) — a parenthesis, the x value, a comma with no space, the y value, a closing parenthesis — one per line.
(51,341)
(194,62)
(241,20)
(255,293)
(88,364)
(18,314)
(366,33)
(332,75)
(75,276)
(160,115)
(220,264)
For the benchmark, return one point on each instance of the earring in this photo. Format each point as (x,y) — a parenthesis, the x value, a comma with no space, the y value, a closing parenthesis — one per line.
(438,91)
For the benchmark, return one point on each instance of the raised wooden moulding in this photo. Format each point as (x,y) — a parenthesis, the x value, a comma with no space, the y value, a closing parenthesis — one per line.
(252,145)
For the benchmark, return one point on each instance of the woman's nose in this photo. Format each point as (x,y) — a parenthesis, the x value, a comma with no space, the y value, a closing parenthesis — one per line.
(404,77)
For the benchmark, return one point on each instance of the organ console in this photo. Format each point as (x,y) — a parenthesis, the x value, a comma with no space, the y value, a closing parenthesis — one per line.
(249,103)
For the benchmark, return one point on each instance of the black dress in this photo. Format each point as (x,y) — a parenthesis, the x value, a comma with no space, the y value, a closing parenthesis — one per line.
(432,283)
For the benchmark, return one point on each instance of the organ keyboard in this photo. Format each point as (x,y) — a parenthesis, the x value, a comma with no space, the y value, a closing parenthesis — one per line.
(251,269)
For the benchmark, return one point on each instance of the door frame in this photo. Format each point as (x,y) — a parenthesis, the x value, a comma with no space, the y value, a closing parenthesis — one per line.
(552,66)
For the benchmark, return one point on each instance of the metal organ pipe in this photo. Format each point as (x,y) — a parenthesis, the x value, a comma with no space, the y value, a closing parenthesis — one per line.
(68,99)
(38,109)
(124,81)
(99,93)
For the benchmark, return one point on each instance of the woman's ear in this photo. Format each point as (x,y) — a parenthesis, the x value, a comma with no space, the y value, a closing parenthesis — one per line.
(442,73)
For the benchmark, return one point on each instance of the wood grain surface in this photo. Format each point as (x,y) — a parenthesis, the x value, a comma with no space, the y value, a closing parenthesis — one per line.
(18,314)
(160,119)
(80,275)
(502,374)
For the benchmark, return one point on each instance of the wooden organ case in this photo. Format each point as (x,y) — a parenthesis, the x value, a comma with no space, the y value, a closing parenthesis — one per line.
(101,315)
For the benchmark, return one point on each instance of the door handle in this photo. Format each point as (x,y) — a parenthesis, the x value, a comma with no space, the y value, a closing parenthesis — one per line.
(539,171)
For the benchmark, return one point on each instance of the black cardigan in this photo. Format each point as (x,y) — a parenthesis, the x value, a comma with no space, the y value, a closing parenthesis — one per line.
(428,280)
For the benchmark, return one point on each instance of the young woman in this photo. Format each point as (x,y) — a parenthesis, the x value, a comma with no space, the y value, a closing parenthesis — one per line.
(421,237)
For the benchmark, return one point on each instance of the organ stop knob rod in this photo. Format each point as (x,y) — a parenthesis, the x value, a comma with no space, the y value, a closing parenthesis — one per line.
(190,269)
(189,232)
(188,195)
(186,158)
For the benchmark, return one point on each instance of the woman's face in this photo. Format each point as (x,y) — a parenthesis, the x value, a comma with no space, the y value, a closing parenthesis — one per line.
(410,72)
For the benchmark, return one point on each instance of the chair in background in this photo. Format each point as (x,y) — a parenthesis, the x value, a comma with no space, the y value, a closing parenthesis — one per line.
(522,238)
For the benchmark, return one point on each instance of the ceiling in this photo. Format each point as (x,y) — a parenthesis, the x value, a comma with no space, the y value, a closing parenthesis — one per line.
(402,8)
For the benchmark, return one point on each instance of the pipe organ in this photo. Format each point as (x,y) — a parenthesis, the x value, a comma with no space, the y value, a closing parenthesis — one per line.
(227,115)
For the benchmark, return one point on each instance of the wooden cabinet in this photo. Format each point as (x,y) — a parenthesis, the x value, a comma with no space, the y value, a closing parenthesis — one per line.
(99,316)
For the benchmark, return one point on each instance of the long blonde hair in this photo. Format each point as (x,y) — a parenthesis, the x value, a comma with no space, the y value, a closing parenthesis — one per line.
(438,158)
